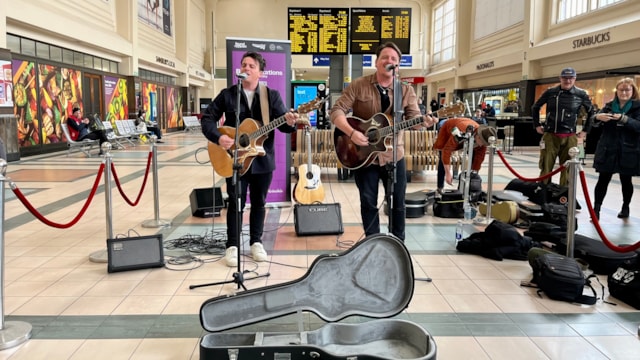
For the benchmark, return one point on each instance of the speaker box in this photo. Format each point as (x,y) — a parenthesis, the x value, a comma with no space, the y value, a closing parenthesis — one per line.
(204,204)
(132,253)
(318,219)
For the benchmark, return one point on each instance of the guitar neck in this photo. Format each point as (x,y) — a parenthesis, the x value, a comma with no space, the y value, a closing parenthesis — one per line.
(263,130)
(401,126)
(308,137)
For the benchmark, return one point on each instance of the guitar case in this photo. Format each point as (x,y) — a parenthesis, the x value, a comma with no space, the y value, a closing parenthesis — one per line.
(416,203)
(373,279)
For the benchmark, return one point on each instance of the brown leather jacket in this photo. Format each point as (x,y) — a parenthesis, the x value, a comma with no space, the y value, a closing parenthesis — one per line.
(363,98)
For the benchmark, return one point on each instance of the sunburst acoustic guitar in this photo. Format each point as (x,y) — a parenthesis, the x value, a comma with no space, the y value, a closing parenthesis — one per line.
(251,137)
(377,129)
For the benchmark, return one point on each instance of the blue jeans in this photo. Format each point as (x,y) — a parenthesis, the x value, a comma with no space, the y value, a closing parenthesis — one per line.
(367,180)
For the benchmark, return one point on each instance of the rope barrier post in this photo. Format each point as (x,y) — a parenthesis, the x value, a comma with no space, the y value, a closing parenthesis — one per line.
(573,163)
(101,256)
(12,333)
(156,221)
(492,150)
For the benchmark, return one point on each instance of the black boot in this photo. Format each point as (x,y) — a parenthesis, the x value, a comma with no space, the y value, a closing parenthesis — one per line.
(624,213)
(596,209)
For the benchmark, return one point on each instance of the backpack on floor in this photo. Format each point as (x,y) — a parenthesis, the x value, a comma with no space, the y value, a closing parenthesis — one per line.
(449,205)
(561,278)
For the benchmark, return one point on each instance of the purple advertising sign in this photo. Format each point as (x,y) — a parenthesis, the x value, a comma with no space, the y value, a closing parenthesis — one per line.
(277,76)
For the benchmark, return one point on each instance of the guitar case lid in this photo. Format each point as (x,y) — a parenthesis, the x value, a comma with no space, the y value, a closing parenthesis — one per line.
(374,278)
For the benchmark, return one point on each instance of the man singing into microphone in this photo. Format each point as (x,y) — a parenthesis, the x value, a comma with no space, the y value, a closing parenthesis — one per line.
(367,96)
(258,176)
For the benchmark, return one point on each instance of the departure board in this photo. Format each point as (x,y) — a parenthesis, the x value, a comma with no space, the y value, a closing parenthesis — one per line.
(319,31)
(371,27)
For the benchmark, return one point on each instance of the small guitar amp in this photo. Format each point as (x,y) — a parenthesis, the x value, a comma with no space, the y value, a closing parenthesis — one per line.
(318,219)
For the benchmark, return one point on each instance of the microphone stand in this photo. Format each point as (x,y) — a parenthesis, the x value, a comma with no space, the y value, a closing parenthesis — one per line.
(391,167)
(238,276)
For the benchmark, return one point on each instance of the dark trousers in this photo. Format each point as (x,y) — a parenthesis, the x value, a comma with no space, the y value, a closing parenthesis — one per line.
(367,180)
(258,186)
(440,174)
(603,183)
(156,130)
(95,135)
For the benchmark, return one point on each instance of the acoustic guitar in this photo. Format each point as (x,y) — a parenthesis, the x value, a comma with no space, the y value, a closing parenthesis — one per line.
(251,137)
(309,189)
(378,131)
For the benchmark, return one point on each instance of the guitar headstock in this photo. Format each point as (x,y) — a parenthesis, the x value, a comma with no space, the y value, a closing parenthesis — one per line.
(451,111)
(314,104)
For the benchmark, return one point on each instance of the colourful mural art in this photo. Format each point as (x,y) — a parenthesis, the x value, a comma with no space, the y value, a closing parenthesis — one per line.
(172,108)
(26,102)
(147,99)
(115,97)
(60,91)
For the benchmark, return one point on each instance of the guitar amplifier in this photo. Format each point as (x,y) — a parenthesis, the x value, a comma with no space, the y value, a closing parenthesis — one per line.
(318,219)
(132,253)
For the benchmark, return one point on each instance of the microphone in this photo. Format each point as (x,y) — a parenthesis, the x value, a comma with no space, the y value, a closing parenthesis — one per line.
(390,67)
(241,76)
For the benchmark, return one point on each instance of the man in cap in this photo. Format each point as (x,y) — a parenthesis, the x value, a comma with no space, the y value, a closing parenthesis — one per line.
(563,103)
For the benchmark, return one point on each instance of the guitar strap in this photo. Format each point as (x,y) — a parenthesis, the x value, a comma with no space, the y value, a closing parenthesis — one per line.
(264,104)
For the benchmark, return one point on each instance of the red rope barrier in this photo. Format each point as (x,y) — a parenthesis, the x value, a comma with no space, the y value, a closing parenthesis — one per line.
(39,216)
(596,222)
(543,177)
(144,182)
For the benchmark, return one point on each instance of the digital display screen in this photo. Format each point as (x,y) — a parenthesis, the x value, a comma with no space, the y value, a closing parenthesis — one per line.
(371,27)
(303,94)
(319,31)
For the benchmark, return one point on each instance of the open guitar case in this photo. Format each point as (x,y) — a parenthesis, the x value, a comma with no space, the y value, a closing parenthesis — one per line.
(373,279)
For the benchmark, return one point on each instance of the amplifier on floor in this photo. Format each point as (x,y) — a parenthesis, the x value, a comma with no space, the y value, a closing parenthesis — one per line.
(132,253)
(318,219)
(204,204)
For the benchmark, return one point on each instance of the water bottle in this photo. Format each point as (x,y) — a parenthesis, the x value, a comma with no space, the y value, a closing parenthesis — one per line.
(468,212)
(459,231)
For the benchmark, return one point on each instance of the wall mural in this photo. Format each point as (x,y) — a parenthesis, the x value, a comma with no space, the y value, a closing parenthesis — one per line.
(60,91)
(25,102)
(115,98)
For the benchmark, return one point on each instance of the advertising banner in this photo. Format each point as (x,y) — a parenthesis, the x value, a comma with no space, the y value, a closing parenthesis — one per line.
(277,76)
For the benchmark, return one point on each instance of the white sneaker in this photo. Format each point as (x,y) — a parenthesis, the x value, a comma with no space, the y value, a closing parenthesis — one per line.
(231,256)
(258,253)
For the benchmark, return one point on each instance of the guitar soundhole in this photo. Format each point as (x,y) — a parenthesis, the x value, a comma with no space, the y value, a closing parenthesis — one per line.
(244,140)
(372,134)
(309,175)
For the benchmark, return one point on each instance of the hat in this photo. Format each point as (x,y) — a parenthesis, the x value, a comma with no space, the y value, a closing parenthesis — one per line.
(568,72)
(486,132)
(75,109)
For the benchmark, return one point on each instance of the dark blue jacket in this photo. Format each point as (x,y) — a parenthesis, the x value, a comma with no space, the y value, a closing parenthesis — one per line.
(618,149)
(225,104)
(562,109)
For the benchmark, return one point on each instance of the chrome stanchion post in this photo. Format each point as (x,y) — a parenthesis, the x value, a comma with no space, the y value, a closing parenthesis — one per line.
(492,150)
(573,163)
(12,333)
(101,255)
(156,221)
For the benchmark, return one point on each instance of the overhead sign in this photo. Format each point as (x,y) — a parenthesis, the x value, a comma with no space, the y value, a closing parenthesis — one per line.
(371,27)
(319,31)
(321,60)
(406,61)
(367,60)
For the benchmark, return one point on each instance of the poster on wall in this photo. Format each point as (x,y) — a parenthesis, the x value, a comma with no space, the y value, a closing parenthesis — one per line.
(174,107)
(277,76)
(60,90)
(156,14)
(25,102)
(148,100)
(115,98)
(6,84)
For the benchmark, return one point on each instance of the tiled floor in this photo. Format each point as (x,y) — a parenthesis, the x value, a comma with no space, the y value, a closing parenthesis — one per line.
(474,307)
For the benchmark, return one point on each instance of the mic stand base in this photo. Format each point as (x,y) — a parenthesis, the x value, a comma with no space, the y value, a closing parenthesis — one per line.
(238,278)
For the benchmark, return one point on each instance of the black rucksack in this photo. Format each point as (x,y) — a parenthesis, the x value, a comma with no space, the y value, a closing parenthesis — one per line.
(561,278)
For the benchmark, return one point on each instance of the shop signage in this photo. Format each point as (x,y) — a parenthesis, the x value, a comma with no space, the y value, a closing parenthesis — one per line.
(591,40)
(167,62)
(485,66)
(201,74)
(413,79)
